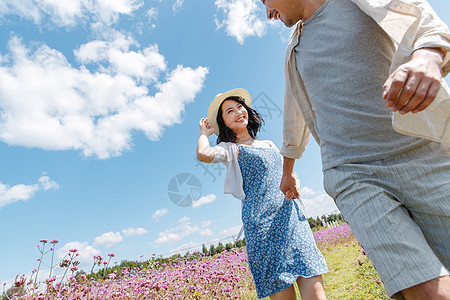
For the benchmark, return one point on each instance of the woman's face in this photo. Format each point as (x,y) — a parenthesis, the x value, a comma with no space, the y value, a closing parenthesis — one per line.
(234,115)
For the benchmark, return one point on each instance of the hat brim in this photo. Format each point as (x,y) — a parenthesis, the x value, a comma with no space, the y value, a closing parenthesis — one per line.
(215,104)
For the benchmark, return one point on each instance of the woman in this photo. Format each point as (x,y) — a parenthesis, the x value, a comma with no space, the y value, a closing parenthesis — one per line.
(280,245)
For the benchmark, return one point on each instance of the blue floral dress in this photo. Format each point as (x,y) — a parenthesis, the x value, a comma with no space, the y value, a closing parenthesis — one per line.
(280,244)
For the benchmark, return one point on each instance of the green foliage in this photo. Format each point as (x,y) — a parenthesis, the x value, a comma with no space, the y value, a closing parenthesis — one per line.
(316,224)
(212,250)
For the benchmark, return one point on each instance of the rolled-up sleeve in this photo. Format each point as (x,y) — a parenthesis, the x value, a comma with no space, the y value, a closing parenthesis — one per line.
(432,32)
(220,154)
(295,132)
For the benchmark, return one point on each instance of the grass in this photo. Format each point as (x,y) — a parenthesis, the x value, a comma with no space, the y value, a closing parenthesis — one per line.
(348,278)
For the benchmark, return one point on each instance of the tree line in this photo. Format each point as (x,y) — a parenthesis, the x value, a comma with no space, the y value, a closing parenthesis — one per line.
(316,223)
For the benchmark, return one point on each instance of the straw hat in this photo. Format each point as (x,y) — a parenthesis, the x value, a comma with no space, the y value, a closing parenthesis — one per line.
(214,106)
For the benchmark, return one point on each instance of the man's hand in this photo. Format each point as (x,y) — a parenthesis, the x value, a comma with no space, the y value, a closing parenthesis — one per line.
(290,186)
(415,84)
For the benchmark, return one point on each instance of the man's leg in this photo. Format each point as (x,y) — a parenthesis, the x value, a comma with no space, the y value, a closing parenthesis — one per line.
(425,192)
(436,289)
(426,195)
(365,194)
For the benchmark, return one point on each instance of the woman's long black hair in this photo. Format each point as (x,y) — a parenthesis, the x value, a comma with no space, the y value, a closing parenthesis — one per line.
(255,121)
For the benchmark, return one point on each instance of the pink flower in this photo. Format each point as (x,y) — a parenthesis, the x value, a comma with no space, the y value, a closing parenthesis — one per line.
(34,271)
(98,257)
(54,241)
(73,250)
(111,254)
(43,241)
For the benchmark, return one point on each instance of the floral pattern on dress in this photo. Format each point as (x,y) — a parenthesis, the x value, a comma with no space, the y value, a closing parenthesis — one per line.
(280,244)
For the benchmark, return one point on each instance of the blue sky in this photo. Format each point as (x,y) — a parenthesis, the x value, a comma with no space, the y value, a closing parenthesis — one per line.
(99,109)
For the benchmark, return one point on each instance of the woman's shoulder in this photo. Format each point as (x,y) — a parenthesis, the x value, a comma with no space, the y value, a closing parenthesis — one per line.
(270,143)
(227,145)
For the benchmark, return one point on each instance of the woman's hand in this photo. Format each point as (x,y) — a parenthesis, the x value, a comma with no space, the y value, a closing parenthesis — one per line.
(204,151)
(294,190)
(205,127)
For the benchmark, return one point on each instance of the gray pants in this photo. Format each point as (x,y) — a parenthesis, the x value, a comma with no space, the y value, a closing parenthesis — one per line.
(399,210)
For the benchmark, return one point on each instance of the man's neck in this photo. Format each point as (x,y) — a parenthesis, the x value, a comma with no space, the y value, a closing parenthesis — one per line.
(310,7)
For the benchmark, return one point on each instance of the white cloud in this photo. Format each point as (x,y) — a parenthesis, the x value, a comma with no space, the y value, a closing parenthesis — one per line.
(152,15)
(204,200)
(241,18)
(108,239)
(184,219)
(319,205)
(22,192)
(134,231)
(231,231)
(182,249)
(175,234)
(159,214)
(206,223)
(47,103)
(11,194)
(181,231)
(85,251)
(205,232)
(47,183)
(306,191)
(69,12)
(177,5)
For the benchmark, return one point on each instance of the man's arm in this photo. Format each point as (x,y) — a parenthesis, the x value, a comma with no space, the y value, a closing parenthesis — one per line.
(413,86)
(289,183)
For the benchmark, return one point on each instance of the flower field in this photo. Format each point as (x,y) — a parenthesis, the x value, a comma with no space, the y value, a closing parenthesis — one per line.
(223,276)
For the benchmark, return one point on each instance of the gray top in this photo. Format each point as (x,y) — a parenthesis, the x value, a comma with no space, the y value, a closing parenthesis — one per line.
(343,58)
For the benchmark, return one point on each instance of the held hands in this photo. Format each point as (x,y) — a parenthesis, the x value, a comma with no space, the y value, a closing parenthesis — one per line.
(290,186)
(415,84)
(205,127)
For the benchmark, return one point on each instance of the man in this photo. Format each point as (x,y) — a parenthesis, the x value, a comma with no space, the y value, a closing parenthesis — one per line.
(344,58)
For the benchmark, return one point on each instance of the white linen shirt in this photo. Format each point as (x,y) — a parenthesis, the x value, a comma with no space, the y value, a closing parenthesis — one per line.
(411,24)
(228,154)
